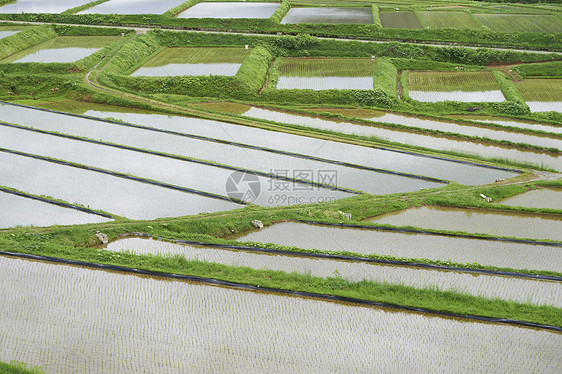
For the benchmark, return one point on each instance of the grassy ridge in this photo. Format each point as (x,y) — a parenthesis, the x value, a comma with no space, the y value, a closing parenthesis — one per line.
(132,52)
(386,78)
(254,69)
(376,17)
(281,12)
(508,88)
(546,69)
(25,39)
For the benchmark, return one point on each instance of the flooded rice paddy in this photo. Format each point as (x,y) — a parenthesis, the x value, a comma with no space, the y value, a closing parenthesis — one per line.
(462,96)
(541,198)
(41,6)
(490,286)
(329,15)
(109,322)
(545,106)
(435,247)
(516,123)
(379,158)
(230,10)
(325,83)
(123,197)
(474,221)
(421,140)
(133,7)
(257,160)
(163,169)
(22,211)
(62,49)
(194,61)
(5,33)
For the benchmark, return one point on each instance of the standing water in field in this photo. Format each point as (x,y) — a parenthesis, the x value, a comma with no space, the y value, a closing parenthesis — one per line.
(477,221)
(133,7)
(541,198)
(41,6)
(230,10)
(115,319)
(5,33)
(515,123)
(329,15)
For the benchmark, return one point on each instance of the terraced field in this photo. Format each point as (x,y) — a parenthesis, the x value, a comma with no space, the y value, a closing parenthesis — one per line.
(400,20)
(542,95)
(521,23)
(447,20)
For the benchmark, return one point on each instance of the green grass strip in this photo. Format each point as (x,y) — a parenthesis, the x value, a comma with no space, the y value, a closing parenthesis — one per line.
(281,12)
(254,69)
(18,367)
(508,88)
(386,78)
(83,7)
(376,17)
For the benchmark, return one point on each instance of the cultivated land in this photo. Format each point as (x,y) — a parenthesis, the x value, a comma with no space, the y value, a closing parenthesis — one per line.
(404,183)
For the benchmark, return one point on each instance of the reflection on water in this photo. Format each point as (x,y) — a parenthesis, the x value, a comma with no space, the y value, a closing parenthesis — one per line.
(463,96)
(41,6)
(545,106)
(325,83)
(459,250)
(133,7)
(493,223)
(230,10)
(541,198)
(516,123)
(113,320)
(187,69)
(329,15)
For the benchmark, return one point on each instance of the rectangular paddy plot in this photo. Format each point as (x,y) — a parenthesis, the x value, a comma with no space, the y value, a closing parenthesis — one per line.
(365,156)
(429,141)
(400,20)
(329,15)
(62,49)
(447,20)
(541,198)
(476,221)
(194,61)
(515,123)
(92,320)
(490,286)
(133,7)
(410,246)
(230,10)
(542,95)
(521,22)
(453,86)
(301,168)
(41,6)
(123,197)
(22,211)
(326,73)
(205,178)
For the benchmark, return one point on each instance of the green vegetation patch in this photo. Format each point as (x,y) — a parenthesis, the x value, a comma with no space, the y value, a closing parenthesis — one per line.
(540,89)
(386,78)
(18,367)
(202,55)
(326,67)
(400,20)
(521,22)
(545,69)
(452,81)
(448,20)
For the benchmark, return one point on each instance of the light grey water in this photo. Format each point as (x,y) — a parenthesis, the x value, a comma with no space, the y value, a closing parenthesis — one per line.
(325,83)
(41,6)
(230,10)
(91,320)
(4,34)
(171,171)
(545,106)
(134,200)
(20,211)
(435,247)
(517,123)
(133,7)
(406,163)
(187,69)
(70,54)
(263,161)
(329,15)
(490,286)
(541,198)
(463,96)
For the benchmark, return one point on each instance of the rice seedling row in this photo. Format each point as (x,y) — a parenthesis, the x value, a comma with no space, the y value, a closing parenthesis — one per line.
(521,23)
(487,222)
(400,20)
(450,20)
(490,286)
(110,320)
(410,246)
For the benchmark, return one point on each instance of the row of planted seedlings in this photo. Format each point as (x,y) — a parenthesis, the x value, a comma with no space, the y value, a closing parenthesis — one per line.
(356,21)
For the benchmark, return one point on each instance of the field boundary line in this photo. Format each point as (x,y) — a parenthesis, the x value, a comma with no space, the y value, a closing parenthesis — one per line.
(249,287)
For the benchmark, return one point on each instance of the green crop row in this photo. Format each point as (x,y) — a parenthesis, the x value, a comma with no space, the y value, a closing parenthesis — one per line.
(386,78)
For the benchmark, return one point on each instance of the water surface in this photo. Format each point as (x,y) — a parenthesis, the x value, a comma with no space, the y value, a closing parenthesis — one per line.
(516,123)
(133,7)
(545,106)
(91,320)
(435,247)
(4,34)
(329,15)
(541,198)
(187,69)
(486,222)
(491,286)
(230,10)
(462,96)
(41,6)
(325,83)
(22,211)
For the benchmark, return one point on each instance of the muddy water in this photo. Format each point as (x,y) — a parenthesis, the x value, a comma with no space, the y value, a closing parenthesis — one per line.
(469,130)
(88,320)
(516,123)
(41,6)
(541,198)
(230,10)
(459,250)
(224,69)
(545,106)
(522,290)
(98,191)
(402,162)
(176,172)
(463,96)
(267,162)
(325,83)
(329,15)
(493,223)
(133,7)
(21,211)
(427,141)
